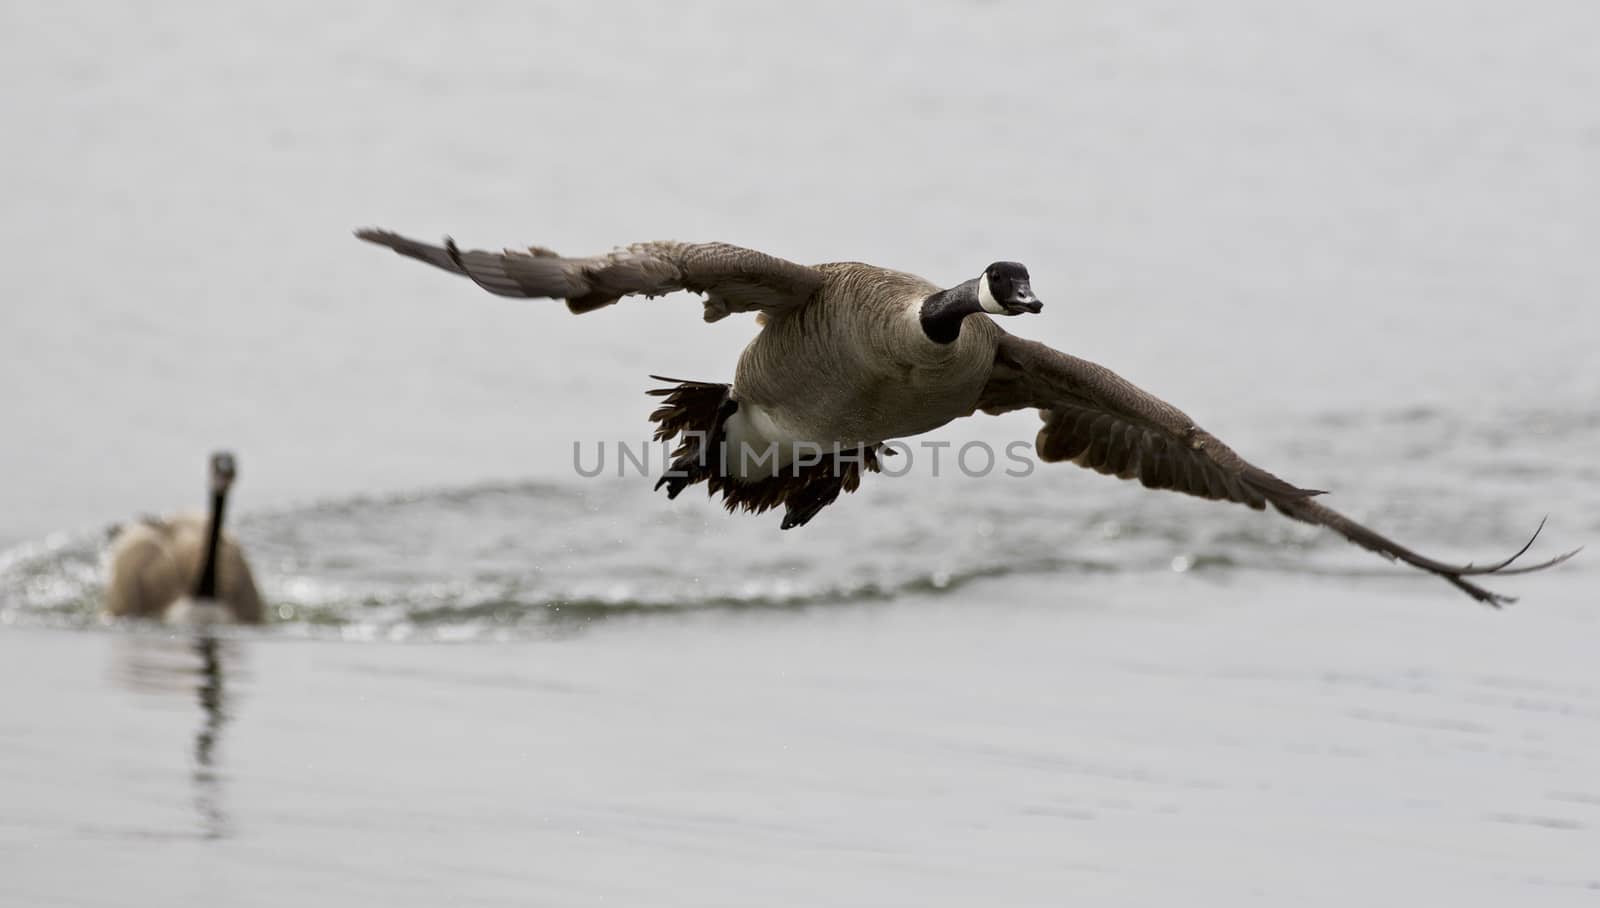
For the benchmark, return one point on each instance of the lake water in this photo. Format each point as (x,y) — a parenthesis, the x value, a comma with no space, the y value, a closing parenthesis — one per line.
(1356,243)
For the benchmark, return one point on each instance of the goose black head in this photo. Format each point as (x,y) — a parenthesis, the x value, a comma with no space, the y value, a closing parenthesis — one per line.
(1003,289)
(222,471)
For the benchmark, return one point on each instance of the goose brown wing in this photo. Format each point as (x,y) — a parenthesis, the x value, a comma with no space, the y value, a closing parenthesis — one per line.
(733,278)
(1099,420)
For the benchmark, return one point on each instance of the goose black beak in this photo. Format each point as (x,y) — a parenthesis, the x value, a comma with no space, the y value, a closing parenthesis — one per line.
(1021,299)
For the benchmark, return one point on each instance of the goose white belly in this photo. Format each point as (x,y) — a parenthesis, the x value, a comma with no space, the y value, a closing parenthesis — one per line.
(761,437)
(761,442)
(191,612)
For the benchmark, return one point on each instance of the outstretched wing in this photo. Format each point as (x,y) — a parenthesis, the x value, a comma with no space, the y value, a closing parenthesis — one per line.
(1096,419)
(734,279)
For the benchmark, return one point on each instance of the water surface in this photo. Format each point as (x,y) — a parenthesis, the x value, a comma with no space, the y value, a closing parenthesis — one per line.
(1354,242)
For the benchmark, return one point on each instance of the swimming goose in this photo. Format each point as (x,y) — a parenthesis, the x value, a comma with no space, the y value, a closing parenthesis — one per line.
(184,569)
(850,356)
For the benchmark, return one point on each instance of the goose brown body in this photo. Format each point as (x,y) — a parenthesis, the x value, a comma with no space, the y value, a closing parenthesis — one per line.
(853,366)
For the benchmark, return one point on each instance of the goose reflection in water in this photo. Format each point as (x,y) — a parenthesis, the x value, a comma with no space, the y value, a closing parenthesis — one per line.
(214,715)
(169,666)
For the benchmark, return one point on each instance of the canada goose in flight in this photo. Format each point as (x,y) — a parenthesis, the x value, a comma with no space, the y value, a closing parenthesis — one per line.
(184,569)
(851,355)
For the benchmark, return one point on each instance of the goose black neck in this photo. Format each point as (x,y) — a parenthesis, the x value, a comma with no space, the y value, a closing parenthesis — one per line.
(943,312)
(206,586)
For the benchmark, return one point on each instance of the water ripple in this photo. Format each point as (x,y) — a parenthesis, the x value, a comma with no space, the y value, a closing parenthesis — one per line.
(510,558)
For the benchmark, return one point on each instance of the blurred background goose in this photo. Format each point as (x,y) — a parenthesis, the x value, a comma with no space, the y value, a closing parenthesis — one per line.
(184,569)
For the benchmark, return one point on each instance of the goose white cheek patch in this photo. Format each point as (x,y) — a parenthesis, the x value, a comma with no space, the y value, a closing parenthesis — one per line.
(986,297)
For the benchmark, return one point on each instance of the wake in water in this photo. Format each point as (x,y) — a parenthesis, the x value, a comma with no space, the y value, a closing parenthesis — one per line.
(499,559)
(514,558)
(502,560)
